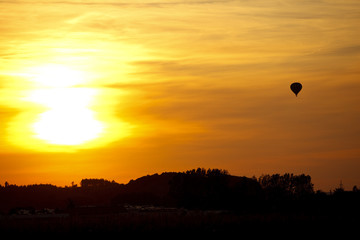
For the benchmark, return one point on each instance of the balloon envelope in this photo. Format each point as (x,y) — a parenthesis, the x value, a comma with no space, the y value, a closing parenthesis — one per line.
(296,87)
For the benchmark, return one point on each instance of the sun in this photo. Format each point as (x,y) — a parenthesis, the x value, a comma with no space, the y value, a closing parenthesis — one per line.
(67,127)
(59,111)
(68,119)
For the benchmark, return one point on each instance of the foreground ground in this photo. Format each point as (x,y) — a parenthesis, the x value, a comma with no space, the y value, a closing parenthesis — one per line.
(177,222)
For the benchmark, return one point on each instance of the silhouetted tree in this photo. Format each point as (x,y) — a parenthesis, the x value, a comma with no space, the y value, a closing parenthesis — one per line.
(94,182)
(207,173)
(287,184)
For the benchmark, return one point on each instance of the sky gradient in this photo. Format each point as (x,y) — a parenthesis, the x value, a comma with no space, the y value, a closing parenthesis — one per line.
(179,84)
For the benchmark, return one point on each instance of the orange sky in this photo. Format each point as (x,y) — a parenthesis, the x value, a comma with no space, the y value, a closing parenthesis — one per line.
(119,89)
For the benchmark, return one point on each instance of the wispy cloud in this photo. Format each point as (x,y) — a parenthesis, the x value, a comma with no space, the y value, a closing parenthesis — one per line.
(143,3)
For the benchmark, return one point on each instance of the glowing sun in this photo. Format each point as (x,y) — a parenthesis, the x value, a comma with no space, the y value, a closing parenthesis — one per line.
(68,120)
(59,113)
(67,127)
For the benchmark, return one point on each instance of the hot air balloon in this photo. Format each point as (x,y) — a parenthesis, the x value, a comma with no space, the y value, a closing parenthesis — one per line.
(296,87)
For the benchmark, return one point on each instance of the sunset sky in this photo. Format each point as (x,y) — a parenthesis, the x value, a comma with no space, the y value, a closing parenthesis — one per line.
(120,89)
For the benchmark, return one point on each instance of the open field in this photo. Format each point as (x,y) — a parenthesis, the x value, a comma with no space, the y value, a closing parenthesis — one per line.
(178,222)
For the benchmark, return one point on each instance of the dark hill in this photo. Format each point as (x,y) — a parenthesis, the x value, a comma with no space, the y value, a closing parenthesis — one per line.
(150,190)
(155,184)
(191,189)
(197,188)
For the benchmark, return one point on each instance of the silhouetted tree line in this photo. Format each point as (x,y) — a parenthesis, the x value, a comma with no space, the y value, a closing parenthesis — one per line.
(97,183)
(286,187)
(193,189)
(213,189)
